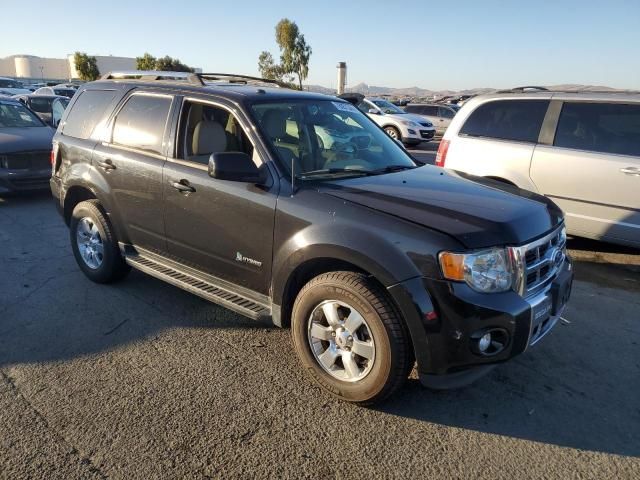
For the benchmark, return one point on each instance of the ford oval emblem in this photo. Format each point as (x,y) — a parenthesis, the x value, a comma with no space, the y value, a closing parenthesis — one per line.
(557,257)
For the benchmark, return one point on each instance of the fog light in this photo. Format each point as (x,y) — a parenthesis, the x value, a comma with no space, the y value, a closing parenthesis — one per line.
(485,342)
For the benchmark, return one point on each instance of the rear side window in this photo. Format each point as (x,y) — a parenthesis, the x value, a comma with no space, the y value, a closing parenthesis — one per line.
(89,109)
(600,127)
(412,109)
(518,120)
(141,122)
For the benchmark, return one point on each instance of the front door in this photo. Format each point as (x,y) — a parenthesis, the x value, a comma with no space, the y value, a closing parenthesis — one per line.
(221,227)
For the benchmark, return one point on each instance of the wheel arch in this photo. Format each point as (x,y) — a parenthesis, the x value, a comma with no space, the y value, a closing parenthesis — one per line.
(74,195)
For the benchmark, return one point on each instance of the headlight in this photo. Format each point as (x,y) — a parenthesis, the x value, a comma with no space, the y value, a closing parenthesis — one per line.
(409,123)
(487,271)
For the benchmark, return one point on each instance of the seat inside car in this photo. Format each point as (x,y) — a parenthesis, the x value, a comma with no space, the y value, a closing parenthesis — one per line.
(208,137)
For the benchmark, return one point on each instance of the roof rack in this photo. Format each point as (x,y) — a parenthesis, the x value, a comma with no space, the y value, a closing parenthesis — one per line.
(524,89)
(193,78)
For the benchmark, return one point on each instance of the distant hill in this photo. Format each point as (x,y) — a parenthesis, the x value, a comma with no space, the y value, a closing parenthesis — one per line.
(372,91)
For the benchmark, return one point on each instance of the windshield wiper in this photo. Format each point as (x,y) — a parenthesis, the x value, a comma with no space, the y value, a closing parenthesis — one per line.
(391,168)
(332,171)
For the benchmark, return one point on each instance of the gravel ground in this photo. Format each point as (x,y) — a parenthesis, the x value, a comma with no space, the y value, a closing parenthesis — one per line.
(143,380)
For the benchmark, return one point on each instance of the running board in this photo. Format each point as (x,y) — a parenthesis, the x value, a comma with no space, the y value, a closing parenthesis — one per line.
(201,284)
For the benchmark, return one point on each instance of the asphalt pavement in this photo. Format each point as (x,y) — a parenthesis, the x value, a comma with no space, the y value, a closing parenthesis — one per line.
(142,380)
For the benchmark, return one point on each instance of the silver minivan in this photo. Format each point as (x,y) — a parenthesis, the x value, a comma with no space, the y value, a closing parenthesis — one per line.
(582,150)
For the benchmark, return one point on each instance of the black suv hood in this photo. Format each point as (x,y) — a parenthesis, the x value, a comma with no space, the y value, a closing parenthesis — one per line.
(477,212)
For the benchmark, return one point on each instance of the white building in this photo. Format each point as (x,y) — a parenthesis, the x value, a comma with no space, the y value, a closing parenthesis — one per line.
(33,68)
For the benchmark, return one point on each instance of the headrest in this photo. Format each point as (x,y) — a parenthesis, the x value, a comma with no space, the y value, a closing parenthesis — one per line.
(209,137)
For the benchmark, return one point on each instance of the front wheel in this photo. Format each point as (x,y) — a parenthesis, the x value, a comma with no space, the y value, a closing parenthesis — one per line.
(393,132)
(349,337)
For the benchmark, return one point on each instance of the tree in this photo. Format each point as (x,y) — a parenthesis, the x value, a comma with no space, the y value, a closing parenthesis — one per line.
(146,62)
(294,54)
(166,64)
(86,66)
(268,68)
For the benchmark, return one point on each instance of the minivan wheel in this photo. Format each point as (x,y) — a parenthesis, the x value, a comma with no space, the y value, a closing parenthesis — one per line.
(94,244)
(349,337)
(393,132)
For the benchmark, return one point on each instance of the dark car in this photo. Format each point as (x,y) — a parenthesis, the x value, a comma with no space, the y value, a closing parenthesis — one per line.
(25,148)
(221,186)
(48,107)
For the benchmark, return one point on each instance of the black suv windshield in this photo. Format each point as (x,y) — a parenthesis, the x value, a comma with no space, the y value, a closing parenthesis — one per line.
(16,115)
(327,138)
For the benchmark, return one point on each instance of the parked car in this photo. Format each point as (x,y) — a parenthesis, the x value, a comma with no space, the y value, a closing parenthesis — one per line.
(59,91)
(399,125)
(371,258)
(48,107)
(25,148)
(582,150)
(8,86)
(439,115)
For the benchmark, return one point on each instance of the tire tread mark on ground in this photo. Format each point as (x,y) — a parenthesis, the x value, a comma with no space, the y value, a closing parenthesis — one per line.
(83,460)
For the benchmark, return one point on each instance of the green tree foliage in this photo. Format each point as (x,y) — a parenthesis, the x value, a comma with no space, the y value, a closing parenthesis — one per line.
(86,66)
(146,62)
(294,54)
(163,64)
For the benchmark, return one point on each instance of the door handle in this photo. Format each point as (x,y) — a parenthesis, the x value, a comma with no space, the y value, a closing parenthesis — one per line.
(106,164)
(631,171)
(182,186)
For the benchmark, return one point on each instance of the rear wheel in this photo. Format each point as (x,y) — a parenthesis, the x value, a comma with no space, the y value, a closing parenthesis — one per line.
(349,337)
(94,244)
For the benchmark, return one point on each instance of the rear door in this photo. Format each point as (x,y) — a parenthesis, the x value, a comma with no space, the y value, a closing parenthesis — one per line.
(592,169)
(498,139)
(130,160)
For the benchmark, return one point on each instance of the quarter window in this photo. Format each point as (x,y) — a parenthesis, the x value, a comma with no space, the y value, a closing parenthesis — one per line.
(600,127)
(87,111)
(141,122)
(518,120)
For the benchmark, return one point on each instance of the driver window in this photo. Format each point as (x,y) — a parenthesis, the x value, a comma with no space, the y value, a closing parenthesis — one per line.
(207,129)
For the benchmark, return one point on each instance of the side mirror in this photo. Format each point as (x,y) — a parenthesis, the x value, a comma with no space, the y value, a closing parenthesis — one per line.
(373,111)
(235,167)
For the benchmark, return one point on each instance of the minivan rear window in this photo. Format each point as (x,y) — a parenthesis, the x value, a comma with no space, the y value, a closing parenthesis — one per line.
(518,120)
(600,127)
(86,112)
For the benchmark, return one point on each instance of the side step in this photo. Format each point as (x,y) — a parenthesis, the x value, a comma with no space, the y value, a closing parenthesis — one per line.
(211,289)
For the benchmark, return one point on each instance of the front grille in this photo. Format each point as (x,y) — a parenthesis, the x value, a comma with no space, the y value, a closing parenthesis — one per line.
(428,134)
(37,160)
(542,260)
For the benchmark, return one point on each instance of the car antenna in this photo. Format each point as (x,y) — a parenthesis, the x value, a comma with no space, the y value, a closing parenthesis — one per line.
(293,176)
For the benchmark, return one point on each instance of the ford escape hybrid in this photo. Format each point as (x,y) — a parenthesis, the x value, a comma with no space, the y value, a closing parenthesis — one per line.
(297,208)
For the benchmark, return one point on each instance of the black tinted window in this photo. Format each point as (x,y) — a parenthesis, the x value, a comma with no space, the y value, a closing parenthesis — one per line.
(518,120)
(600,127)
(88,110)
(412,109)
(141,122)
(429,110)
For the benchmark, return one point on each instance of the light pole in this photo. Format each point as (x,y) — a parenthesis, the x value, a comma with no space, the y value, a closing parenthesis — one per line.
(42,73)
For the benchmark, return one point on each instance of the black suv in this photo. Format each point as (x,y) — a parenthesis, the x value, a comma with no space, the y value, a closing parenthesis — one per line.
(296,207)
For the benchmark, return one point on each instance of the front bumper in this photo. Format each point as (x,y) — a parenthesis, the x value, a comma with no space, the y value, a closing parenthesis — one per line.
(415,135)
(445,344)
(19,180)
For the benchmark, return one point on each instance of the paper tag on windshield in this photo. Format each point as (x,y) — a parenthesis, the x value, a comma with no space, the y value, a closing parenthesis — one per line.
(345,107)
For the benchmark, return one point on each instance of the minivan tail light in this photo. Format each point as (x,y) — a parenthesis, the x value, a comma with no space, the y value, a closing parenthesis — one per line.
(441,156)
(52,158)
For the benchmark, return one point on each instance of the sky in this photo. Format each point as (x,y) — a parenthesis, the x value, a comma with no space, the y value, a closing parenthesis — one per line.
(435,45)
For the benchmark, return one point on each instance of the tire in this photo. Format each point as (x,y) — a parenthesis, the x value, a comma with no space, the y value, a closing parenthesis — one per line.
(393,132)
(378,372)
(94,244)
